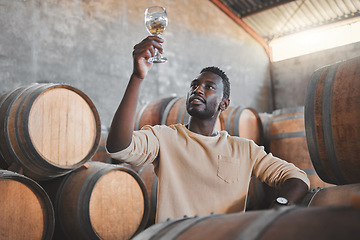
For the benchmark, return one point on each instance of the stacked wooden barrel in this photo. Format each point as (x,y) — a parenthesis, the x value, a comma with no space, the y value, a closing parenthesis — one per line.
(333,132)
(26,210)
(49,187)
(99,201)
(332,121)
(47,130)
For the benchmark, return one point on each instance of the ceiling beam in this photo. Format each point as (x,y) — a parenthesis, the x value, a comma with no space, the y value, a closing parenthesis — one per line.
(246,27)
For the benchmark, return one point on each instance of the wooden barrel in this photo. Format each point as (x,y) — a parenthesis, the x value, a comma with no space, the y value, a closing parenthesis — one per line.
(243,122)
(286,137)
(26,211)
(150,179)
(265,119)
(332,121)
(152,113)
(166,111)
(99,201)
(100,154)
(47,130)
(335,196)
(176,113)
(296,223)
(260,195)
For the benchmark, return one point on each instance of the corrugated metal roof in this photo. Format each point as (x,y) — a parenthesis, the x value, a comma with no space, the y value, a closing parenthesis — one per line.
(271,19)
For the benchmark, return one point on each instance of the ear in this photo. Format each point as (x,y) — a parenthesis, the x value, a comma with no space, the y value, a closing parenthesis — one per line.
(224,104)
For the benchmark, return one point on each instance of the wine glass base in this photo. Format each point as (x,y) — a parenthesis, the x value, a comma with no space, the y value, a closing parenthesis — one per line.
(158,60)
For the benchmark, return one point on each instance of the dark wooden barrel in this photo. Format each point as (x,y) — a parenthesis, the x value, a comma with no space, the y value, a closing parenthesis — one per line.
(296,223)
(286,137)
(332,121)
(336,195)
(99,201)
(243,122)
(265,119)
(47,130)
(260,195)
(26,211)
(152,113)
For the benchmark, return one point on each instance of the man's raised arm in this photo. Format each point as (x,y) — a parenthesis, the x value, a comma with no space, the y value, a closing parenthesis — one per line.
(121,129)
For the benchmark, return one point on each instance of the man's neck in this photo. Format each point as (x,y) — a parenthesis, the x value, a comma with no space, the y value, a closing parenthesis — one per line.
(203,127)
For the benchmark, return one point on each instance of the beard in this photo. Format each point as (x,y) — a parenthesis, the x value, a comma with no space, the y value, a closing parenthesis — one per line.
(205,113)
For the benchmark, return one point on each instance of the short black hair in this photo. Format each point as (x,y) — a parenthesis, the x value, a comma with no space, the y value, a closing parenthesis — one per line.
(224,77)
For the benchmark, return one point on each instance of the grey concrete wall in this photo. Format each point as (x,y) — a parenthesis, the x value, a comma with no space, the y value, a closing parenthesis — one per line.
(291,76)
(88,44)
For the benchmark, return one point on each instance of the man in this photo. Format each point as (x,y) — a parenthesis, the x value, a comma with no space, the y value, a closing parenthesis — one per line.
(199,169)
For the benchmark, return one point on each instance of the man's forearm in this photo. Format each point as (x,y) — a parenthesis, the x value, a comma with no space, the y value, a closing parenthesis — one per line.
(121,130)
(293,189)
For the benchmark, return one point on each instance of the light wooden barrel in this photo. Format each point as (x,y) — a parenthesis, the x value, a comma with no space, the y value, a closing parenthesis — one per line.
(166,111)
(332,121)
(176,113)
(243,122)
(26,211)
(152,113)
(47,130)
(296,223)
(99,201)
(336,195)
(286,137)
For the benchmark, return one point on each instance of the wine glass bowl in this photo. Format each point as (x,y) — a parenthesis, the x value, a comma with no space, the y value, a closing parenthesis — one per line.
(156,21)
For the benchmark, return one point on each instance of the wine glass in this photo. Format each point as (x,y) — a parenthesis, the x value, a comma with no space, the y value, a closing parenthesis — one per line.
(156,21)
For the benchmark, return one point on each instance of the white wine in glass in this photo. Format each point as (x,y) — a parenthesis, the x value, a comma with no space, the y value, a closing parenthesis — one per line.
(156,21)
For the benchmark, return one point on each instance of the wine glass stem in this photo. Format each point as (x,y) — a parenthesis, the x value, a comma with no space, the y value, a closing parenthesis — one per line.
(157,54)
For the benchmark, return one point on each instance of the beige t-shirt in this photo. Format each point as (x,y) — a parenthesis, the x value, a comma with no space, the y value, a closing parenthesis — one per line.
(199,174)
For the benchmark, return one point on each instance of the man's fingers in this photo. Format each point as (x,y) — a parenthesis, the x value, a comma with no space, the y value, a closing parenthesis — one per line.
(146,52)
(150,43)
